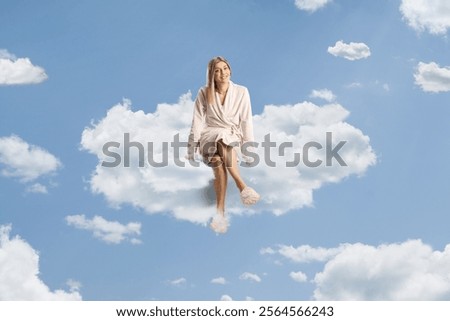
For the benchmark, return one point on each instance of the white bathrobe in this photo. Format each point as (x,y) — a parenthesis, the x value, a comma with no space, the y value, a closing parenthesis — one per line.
(231,122)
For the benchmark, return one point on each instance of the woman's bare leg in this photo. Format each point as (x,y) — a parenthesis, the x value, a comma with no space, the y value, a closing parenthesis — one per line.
(224,162)
(229,157)
(220,182)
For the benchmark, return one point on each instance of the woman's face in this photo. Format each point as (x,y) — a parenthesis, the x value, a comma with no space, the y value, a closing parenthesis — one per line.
(221,73)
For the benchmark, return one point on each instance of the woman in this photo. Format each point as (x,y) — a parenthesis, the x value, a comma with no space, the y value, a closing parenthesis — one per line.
(222,122)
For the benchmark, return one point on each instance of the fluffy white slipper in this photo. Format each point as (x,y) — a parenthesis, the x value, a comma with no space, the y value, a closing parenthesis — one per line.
(219,224)
(249,196)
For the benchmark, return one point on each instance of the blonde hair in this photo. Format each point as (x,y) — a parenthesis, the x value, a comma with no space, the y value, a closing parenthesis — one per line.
(210,85)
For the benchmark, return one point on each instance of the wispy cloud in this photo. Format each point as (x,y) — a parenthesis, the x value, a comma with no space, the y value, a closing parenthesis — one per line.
(311,5)
(306,253)
(19,272)
(247,276)
(220,280)
(267,250)
(108,231)
(432,78)
(37,188)
(178,282)
(184,191)
(354,85)
(324,94)
(19,71)
(422,15)
(350,51)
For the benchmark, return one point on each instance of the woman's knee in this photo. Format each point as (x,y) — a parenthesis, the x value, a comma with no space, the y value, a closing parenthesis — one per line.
(215,161)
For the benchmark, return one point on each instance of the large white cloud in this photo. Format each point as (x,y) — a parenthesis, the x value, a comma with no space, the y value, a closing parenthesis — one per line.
(19,71)
(107,231)
(350,51)
(26,162)
(19,272)
(187,192)
(410,270)
(432,78)
(431,15)
(311,5)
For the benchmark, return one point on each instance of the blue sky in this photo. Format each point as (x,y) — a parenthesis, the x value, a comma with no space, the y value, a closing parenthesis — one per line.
(75,74)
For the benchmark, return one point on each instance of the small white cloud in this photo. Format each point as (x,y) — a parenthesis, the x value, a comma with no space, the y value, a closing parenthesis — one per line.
(324,94)
(226,297)
(19,71)
(298,276)
(306,253)
(249,298)
(421,15)
(354,85)
(220,280)
(24,161)
(107,231)
(311,5)
(267,250)
(351,51)
(247,276)
(178,282)
(135,241)
(19,272)
(37,188)
(432,78)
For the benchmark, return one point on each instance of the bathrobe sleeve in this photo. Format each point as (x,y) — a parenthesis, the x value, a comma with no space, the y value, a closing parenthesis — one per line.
(246,122)
(198,123)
